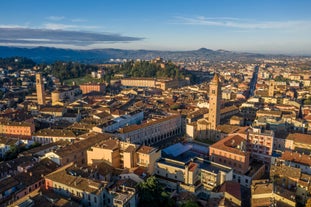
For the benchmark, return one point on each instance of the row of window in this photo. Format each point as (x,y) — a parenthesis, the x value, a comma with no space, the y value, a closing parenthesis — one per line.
(229,155)
(224,161)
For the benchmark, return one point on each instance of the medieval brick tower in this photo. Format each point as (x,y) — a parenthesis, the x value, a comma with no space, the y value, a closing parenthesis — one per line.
(214,102)
(271,88)
(40,89)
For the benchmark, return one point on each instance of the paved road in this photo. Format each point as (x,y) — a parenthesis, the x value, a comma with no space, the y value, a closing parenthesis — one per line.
(253,81)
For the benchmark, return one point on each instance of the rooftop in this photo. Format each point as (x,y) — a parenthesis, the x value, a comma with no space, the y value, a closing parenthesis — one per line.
(233,188)
(296,157)
(127,129)
(300,138)
(285,171)
(110,144)
(84,184)
(234,144)
(55,133)
(146,149)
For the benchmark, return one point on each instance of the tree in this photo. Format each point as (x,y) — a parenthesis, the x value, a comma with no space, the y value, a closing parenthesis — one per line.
(190,204)
(152,194)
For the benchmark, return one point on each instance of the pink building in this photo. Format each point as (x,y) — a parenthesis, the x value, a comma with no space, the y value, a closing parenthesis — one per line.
(231,151)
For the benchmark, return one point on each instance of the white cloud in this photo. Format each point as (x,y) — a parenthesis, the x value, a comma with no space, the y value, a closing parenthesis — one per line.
(53,26)
(12,26)
(55,18)
(243,23)
(78,20)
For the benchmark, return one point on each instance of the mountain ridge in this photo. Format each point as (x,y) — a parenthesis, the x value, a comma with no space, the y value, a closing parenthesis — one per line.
(51,54)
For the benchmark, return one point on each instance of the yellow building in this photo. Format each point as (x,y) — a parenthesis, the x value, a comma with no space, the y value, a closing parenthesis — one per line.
(89,192)
(147,156)
(123,154)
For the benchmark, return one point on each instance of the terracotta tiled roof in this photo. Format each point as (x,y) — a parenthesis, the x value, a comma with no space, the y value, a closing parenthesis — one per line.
(192,166)
(300,138)
(146,149)
(285,171)
(233,188)
(230,144)
(55,133)
(227,128)
(88,185)
(228,109)
(296,157)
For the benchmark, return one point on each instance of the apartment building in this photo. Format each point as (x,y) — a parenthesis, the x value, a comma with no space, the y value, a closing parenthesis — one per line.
(76,152)
(134,117)
(46,136)
(190,175)
(17,129)
(88,192)
(260,144)
(231,151)
(298,141)
(121,154)
(266,193)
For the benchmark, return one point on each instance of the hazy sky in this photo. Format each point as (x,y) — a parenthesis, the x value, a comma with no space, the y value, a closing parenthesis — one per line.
(269,26)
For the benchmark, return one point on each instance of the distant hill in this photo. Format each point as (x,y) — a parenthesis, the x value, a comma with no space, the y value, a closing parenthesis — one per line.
(48,55)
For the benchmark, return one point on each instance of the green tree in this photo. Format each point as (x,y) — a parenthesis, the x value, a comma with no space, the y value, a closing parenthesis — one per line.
(190,204)
(152,194)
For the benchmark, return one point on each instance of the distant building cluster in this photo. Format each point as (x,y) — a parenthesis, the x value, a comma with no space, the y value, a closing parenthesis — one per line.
(241,138)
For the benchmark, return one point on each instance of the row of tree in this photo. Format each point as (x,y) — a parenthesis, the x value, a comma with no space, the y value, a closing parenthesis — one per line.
(149,69)
(16,63)
(68,70)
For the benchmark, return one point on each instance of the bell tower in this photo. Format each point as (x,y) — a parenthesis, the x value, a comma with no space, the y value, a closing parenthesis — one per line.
(214,102)
(40,89)
(271,88)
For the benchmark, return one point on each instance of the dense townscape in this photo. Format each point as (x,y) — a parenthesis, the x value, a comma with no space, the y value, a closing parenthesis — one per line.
(151,132)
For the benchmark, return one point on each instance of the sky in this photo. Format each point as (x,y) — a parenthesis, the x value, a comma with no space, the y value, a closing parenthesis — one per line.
(265,26)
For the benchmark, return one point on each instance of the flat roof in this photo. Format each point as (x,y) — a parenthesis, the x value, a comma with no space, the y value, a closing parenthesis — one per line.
(176,149)
(211,166)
